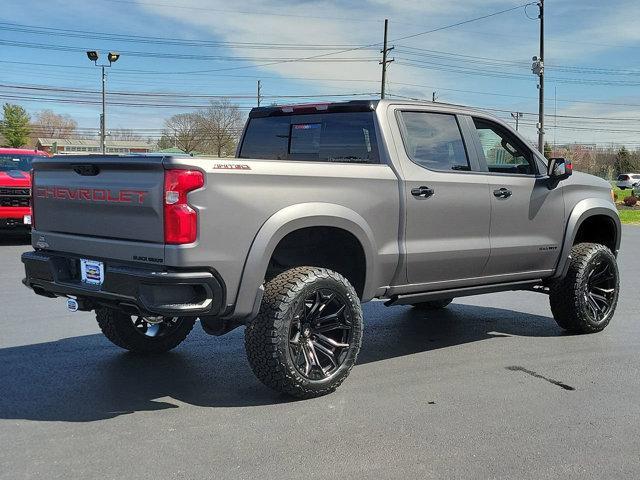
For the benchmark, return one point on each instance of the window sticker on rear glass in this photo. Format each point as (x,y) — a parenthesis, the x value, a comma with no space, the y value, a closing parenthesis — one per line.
(305,138)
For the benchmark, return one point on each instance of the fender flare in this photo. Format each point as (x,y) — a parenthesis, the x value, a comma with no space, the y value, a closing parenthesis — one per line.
(585,209)
(290,219)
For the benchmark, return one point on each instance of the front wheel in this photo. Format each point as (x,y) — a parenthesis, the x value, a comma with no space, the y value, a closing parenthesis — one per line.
(308,333)
(150,334)
(585,300)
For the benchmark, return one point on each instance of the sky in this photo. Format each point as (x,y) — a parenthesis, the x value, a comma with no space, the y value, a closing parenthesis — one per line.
(177,55)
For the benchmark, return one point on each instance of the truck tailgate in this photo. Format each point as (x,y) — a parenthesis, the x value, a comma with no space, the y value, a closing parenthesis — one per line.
(118,198)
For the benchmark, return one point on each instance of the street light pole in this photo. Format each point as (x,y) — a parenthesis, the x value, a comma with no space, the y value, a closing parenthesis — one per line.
(112,57)
(103,118)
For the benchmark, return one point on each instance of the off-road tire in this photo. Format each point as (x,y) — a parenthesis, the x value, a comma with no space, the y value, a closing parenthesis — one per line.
(118,327)
(568,296)
(433,304)
(267,337)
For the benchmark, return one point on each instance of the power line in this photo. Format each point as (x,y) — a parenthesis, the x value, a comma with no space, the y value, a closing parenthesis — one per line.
(125,72)
(181,56)
(178,94)
(512,76)
(181,105)
(351,49)
(463,22)
(584,69)
(129,38)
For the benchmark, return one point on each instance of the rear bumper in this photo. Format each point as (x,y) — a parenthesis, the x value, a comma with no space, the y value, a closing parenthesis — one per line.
(167,292)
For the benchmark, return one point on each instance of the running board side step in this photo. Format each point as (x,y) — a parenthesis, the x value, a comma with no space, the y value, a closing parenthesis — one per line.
(411,298)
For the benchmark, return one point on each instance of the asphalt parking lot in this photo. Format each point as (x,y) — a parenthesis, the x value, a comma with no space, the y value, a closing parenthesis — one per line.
(489,388)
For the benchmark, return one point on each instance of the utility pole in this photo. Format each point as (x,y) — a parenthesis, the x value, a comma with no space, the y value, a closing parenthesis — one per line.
(555,115)
(538,69)
(259,92)
(384,61)
(517,116)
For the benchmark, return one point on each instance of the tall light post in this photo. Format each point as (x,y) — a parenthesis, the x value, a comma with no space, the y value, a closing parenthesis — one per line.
(112,57)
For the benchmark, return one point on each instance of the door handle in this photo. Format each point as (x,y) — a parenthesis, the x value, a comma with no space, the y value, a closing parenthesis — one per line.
(424,192)
(502,193)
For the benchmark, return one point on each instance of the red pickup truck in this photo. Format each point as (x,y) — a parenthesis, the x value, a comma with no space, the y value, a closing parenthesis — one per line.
(15,187)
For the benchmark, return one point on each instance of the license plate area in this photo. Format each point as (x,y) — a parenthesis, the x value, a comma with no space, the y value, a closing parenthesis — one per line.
(91,272)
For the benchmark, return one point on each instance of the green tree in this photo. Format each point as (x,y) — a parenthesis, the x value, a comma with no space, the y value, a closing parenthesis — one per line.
(547,150)
(624,163)
(14,126)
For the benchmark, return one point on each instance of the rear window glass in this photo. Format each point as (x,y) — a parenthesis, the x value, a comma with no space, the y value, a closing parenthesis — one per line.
(434,141)
(328,137)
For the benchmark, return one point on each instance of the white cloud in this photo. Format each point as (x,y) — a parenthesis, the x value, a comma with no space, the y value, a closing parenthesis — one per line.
(510,36)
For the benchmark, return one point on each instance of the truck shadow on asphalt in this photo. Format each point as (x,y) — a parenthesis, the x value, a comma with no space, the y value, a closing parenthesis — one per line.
(85,379)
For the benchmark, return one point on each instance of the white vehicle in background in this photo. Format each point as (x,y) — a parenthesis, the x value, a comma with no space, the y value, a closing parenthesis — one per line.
(627,180)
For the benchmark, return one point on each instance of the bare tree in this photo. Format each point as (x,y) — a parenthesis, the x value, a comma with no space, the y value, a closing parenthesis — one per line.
(221,123)
(184,131)
(53,125)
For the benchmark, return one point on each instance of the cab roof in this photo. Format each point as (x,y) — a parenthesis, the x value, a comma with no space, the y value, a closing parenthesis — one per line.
(353,106)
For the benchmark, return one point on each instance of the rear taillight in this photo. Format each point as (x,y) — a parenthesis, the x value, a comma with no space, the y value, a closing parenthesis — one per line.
(180,219)
(32,175)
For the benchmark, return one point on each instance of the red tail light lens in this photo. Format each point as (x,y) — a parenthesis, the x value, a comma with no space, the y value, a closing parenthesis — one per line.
(180,219)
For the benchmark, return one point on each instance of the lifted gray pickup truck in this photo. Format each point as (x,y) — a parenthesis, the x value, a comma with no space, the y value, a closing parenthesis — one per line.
(323,208)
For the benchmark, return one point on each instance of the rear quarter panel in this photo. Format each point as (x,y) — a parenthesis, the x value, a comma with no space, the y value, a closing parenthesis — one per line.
(244,197)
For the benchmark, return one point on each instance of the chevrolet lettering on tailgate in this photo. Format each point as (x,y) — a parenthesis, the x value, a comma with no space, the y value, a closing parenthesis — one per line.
(92,194)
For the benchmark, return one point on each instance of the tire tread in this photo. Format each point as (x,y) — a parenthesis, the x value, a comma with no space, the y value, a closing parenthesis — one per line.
(263,340)
(564,295)
(118,328)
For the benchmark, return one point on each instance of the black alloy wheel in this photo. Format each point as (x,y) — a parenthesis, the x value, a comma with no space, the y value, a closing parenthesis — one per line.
(307,335)
(585,299)
(155,327)
(143,334)
(601,290)
(320,334)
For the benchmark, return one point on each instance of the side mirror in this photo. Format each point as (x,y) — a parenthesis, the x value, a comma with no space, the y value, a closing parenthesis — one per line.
(559,169)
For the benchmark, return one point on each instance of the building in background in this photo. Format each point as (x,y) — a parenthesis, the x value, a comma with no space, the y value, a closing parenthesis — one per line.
(69,146)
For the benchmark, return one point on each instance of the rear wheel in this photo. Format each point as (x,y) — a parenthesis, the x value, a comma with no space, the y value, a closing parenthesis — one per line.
(307,336)
(585,300)
(433,304)
(143,334)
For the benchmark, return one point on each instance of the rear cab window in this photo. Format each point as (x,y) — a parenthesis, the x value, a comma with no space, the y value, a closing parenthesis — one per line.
(345,137)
